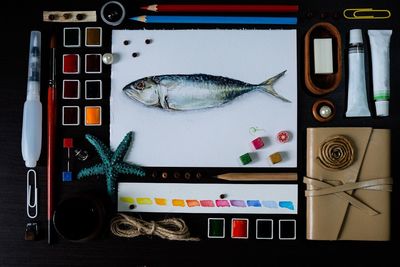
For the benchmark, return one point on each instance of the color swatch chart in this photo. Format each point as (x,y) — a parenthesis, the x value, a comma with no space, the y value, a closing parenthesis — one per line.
(208,198)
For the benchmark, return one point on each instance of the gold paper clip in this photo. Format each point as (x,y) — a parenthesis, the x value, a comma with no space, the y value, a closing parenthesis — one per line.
(366,13)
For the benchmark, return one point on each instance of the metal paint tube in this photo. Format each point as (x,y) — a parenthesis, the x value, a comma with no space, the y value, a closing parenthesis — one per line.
(357,103)
(380,44)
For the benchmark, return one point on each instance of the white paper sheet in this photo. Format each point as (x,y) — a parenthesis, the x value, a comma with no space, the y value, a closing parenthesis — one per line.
(214,137)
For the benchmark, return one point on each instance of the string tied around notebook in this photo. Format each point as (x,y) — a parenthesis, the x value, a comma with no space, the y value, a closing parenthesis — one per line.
(336,153)
(172,229)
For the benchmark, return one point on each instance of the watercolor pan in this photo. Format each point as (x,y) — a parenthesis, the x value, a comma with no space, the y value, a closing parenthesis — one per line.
(93,116)
(287,229)
(264,229)
(70,115)
(216,228)
(72,37)
(93,89)
(93,36)
(93,63)
(71,64)
(71,89)
(240,228)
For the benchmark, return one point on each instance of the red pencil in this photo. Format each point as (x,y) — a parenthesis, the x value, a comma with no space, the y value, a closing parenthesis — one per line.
(51,130)
(223,8)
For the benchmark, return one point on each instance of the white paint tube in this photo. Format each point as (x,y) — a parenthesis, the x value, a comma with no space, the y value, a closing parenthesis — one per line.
(380,44)
(357,103)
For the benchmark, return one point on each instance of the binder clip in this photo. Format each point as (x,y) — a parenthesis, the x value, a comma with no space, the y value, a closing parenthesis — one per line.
(366,13)
(31,232)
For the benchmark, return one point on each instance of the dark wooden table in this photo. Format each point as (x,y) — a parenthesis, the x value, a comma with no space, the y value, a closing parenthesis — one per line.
(19,18)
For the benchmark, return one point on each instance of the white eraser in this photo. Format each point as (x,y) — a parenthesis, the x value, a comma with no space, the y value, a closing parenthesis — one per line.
(323,59)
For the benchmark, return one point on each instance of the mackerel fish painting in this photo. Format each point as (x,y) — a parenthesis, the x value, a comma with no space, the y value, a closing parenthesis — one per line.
(184,92)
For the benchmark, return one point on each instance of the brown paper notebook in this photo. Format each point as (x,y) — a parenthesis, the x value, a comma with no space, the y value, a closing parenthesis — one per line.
(348,184)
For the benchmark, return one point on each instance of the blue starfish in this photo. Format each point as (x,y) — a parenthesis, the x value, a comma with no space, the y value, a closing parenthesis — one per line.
(112,163)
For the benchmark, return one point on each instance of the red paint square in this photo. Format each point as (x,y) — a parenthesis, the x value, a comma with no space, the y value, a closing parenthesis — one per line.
(68,142)
(70,63)
(71,89)
(257,143)
(240,228)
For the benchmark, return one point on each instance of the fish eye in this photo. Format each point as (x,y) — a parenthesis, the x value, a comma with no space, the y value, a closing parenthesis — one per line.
(140,85)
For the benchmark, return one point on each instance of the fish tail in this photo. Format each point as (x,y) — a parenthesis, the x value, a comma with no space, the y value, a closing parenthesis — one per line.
(266,86)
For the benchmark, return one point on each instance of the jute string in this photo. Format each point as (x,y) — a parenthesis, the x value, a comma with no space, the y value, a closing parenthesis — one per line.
(172,229)
(336,153)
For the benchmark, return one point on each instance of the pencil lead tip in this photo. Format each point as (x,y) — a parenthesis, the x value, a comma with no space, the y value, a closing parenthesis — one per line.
(139,18)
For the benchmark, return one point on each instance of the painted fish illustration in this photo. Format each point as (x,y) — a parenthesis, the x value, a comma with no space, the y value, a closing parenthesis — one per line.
(193,91)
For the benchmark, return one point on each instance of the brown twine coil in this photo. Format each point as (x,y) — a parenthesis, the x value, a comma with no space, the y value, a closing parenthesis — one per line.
(172,229)
(336,153)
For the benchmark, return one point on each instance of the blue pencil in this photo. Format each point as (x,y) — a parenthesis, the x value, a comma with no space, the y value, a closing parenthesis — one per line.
(215,20)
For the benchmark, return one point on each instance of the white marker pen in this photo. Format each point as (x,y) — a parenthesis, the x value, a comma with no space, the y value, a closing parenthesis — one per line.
(31,143)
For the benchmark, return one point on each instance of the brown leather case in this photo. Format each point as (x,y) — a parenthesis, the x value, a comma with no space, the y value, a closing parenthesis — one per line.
(351,203)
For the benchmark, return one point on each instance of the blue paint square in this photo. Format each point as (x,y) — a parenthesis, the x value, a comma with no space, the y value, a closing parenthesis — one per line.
(67,176)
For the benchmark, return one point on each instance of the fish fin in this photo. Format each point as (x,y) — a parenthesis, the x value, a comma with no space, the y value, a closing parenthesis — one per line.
(266,86)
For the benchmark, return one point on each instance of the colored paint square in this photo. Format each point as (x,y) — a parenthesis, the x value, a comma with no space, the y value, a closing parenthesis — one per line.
(257,143)
(286,205)
(68,142)
(264,229)
(240,228)
(67,176)
(216,228)
(93,36)
(287,229)
(207,203)
(127,199)
(70,115)
(93,63)
(71,64)
(71,89)
(222,203)
(93,89)
(238,203)
(178,203)
(245,159)
(160,201)
(253,203)
(192,203)
(144,201)
(92,115)
(270,204)
(72,37)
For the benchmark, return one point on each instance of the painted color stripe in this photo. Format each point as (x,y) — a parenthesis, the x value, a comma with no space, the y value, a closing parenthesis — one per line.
(161,201)
(126,199)
(222,203)
(192,203)
(207,203)
(178,203)
(286,204)
(144,201)
(238,203)
(270,204)
(253,203)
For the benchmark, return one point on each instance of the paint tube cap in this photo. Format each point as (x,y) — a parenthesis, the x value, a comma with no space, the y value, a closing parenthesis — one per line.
(382,108)
(356,36)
